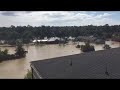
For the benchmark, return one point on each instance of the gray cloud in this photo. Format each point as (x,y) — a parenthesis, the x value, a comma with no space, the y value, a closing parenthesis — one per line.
(13,13)
(28,11)
(57,18)
(8,13)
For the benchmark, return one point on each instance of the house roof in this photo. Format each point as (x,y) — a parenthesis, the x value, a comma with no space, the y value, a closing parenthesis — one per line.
(90,65)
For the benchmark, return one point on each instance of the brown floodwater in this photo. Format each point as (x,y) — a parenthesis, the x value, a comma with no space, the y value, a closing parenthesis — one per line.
(16,69)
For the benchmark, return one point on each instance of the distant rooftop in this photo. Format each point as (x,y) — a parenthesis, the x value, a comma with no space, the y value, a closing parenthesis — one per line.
(46,40)
(90,65)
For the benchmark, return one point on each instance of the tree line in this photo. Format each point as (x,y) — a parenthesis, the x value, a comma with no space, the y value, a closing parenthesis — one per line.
(28,33)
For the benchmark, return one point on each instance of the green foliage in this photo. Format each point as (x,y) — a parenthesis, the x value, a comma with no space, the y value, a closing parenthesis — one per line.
(20,51)
(27,36)
(116,37)
(28,33)
(87,47)
(28,75)
(78,46)
(4,52)
(4,55)
(106,46)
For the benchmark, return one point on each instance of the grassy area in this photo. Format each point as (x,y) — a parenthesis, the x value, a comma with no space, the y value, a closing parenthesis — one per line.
(28,75)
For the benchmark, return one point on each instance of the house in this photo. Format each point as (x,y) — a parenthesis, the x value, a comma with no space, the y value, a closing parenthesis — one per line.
(100,41)
(86,38)
(2,41)
(103,64)
(46,41)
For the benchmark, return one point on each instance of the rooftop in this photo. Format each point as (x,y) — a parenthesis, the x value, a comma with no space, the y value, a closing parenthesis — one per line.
(90,65)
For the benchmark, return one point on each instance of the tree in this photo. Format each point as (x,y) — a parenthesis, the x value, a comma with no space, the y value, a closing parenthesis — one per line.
(78,46)
(106,46)
(5,52)
(27,36)
(20,51)
(28,75)
(28,33)
(87,47)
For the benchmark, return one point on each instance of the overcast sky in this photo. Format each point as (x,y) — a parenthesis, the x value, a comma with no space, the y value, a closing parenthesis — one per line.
(58,18)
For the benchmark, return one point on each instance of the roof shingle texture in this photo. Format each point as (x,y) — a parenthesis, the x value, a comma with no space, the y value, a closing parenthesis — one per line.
(90,65)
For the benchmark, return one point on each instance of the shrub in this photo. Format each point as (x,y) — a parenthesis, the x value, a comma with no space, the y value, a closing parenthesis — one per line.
(106,46)
(28,75)
(20,51)
(78,46)
(87,47)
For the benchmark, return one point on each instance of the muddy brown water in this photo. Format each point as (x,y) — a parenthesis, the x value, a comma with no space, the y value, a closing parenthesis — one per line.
(16,69)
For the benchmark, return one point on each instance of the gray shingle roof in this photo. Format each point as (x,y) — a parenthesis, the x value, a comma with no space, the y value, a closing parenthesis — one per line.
(91,65)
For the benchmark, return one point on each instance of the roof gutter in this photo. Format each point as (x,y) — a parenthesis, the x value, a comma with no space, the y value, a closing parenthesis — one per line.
(36,71)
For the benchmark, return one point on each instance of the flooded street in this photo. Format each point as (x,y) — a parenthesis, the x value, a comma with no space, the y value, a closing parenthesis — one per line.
(18,68)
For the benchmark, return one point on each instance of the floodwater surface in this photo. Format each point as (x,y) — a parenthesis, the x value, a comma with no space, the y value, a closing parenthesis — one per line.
(16,69)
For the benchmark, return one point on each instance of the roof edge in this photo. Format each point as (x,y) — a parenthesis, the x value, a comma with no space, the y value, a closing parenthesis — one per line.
(78,54)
